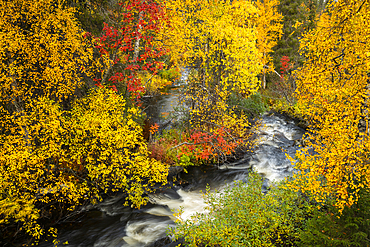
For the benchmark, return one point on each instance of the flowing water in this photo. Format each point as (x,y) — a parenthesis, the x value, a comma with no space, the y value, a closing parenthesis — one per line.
(111,224)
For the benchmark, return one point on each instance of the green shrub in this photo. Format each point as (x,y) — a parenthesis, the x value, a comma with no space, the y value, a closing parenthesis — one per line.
(170,74)
(328,228)
(245,216)
(253,106)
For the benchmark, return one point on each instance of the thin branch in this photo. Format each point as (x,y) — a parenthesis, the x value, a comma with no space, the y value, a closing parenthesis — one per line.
(186,143)
(266,66)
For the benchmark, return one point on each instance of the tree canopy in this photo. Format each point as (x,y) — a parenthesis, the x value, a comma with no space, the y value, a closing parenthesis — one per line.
(333,90)
(57,150)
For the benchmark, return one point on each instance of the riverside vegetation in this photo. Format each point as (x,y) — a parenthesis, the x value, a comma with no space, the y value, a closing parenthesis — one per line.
(71,132)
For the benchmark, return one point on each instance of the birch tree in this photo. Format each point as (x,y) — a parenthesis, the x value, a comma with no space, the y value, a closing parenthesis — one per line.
(333,91)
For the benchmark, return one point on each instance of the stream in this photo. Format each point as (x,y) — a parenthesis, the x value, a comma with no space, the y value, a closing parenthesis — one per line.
(110,224)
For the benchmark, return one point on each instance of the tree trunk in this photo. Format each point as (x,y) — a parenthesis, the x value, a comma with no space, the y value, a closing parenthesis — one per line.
(137,42)
(20,111)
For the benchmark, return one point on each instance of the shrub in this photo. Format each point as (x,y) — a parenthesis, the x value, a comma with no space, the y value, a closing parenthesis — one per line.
(194,146)
(245,216)
(170,74)
(253,105)
(161,148)
(67,158)
(328,227)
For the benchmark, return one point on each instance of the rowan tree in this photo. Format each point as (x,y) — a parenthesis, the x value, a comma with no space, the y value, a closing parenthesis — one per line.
(334,94)
(129,47)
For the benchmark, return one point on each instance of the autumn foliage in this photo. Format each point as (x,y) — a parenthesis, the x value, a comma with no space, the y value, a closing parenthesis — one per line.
(333,90)
(70,128)
(42,52)
(269,26)
(218,41)
(129,47)
(209,146)
(57,150)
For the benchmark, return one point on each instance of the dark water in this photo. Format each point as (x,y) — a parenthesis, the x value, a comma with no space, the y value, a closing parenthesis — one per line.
(160,107)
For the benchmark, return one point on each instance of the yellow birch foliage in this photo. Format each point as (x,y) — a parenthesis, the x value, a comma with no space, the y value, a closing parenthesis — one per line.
(218,38)
(107,139)
(269,29)
(41,50)
(73,156)
(53,159)
(333,90)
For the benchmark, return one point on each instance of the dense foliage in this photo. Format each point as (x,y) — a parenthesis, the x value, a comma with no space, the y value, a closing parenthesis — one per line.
(245,216)
(72,156)
(129,47)
(332,89)
(298,16)
(333,169)
(72,74)
(42,53)
(225,45)
(329,227)
(58,149)
(281,217)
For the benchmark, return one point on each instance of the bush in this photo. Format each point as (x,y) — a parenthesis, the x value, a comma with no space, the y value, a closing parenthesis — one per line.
(161,148)
(253,105)
(69,158)
(244,216)
(170,74)
(196,147)
(328,227)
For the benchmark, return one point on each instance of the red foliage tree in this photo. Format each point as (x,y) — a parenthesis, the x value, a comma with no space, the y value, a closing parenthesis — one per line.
(131,46)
